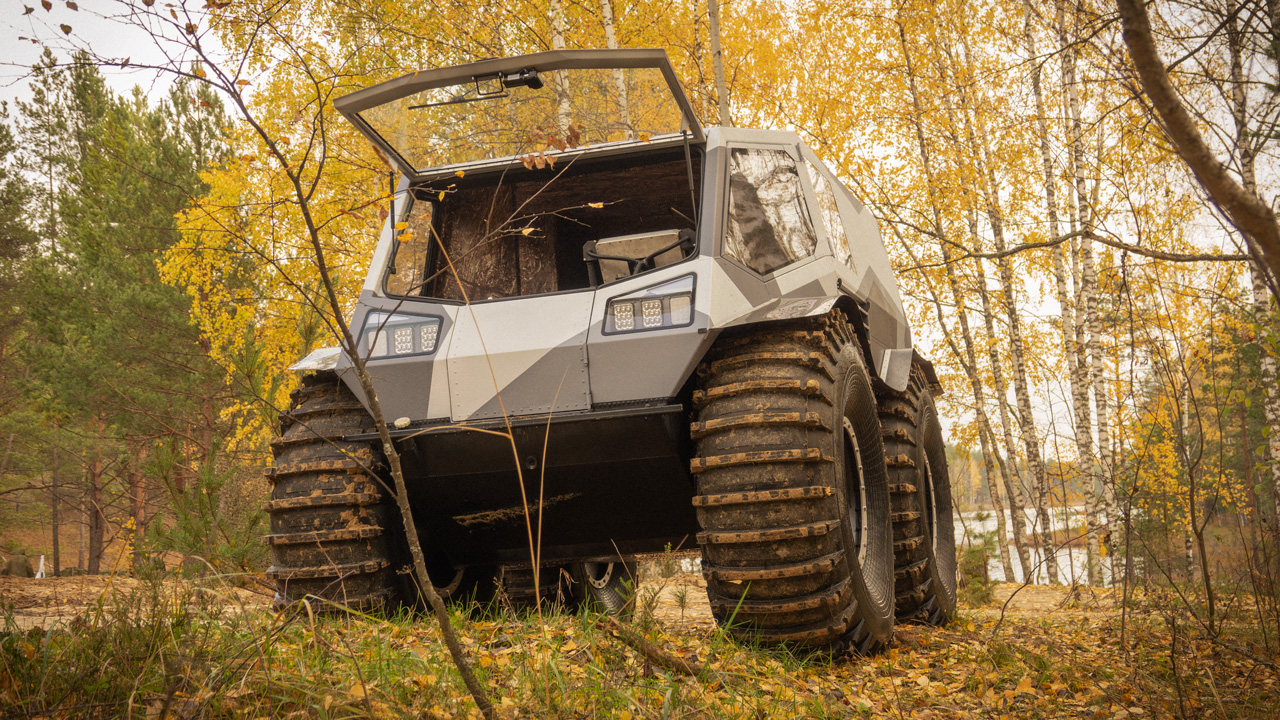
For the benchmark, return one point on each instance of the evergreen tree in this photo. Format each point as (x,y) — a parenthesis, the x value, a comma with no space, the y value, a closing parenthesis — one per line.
(112,347)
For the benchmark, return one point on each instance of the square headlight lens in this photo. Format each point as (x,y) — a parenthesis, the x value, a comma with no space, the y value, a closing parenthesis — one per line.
(652,311)
(395,334)
(666,305)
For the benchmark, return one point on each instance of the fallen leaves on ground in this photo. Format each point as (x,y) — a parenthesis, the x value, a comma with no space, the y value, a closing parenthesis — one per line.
(1049,655)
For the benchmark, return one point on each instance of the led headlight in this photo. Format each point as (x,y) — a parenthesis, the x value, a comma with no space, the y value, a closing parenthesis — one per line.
(667,305)
(397,334)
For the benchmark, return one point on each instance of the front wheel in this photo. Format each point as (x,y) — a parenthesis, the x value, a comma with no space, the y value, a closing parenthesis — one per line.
(793,497)
(332,519)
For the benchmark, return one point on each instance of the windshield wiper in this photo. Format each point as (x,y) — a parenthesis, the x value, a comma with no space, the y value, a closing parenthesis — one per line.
(459,100)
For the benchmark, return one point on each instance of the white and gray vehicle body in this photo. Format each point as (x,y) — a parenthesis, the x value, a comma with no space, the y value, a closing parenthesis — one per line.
(593,380)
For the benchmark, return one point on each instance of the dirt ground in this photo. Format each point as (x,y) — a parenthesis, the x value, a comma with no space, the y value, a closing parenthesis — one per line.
(678,602)
(51,601)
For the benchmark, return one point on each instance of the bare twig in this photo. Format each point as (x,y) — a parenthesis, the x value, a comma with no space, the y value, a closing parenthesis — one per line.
(651,652)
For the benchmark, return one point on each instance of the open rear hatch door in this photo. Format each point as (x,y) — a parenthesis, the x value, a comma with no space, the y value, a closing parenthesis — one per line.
(523,109)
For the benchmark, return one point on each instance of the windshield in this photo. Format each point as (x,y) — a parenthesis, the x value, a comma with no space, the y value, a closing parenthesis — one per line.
(526,113)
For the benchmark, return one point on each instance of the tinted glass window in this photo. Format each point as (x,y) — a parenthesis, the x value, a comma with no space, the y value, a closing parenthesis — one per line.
(830,214)
(768,224)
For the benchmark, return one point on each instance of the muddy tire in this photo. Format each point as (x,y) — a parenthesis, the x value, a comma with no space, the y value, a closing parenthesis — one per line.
(606,587)
(793,499)
(515,587)
(330,516)
(920,492)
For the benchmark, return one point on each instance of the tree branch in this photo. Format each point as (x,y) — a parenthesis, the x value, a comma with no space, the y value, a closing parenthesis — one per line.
(1245,210)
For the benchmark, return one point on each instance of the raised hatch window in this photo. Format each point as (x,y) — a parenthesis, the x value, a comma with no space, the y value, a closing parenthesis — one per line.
(769,226)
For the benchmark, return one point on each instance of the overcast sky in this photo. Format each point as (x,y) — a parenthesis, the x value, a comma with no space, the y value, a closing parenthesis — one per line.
(91,25)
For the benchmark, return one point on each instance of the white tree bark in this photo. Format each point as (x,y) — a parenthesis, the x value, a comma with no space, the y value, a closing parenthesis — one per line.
(1067,317)
(619,77)
(1012,478)
(1245,154)
(717,63)
(969,358)
(564,109)
(1086,308)
(1017,348)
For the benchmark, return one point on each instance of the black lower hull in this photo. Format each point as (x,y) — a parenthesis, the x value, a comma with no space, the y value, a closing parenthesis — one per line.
(614,482)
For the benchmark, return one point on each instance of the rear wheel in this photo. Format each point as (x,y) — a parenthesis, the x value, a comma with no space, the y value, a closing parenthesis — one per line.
(330,515)
(516,586)
(606,587)
(923,532)
(792,493)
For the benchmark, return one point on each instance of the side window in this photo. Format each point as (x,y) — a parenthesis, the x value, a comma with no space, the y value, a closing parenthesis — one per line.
(409,264)
(830,214)
(768,224)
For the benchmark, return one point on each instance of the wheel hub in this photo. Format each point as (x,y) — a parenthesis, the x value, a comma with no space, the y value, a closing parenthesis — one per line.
(599,574)
(930,504)
(857,489)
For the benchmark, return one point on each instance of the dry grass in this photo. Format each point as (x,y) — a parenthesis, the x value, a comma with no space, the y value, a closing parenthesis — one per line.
(183,650)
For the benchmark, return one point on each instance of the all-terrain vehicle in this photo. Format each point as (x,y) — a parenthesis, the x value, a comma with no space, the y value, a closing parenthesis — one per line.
(693,336)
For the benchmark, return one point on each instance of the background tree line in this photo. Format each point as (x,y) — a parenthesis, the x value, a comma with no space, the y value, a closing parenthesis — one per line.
(113,419)
(1107,336)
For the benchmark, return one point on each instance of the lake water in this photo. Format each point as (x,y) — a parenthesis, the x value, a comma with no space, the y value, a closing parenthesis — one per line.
(1072,563)
(1072,560)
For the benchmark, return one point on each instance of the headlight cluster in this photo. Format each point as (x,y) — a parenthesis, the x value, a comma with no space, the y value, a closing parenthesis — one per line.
(396,334)
(667,305)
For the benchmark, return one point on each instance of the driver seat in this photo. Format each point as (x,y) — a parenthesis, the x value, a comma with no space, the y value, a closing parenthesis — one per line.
(617,256)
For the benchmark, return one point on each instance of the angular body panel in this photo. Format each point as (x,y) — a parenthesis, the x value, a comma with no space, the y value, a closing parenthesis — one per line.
(520,357)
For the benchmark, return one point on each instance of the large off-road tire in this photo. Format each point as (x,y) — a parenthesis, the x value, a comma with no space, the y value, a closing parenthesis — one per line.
(330,516)
(920,491)
(606,587)
(792,496)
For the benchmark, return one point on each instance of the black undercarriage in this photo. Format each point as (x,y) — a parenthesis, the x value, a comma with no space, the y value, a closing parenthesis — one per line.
(614,482)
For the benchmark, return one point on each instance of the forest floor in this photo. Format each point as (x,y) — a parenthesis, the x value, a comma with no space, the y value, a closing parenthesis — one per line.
(120,647)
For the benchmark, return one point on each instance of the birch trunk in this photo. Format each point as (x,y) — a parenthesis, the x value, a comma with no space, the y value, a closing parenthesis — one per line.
(1086,303)
(564,112)
(1026,423)
(1008,469)
(1246,153)
(969,358)
(1265,318)
(717,62)
(985,438)
(704,92)
(1012,478)
(997,506)
(1051,206)
(619,77)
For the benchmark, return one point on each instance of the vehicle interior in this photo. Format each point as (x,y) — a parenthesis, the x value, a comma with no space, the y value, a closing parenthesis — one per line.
(578,224)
